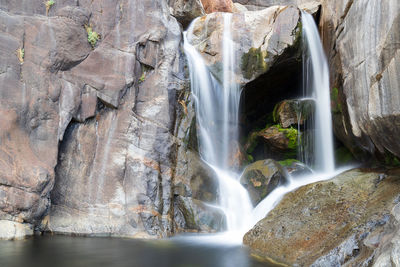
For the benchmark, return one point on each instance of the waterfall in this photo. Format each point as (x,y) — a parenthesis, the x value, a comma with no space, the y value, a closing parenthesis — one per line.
(217,111)
(318,151)
(217,107)
(316,148)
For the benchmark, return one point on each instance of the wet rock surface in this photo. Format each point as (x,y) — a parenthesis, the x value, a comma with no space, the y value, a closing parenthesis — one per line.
(115,172)
(330,223)
(293,112)
(196,216)
(261,177)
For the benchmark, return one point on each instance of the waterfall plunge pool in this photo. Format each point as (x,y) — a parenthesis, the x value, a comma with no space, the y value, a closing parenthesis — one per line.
(65,251)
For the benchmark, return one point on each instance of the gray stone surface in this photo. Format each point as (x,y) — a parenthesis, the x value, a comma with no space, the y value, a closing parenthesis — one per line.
(362,42)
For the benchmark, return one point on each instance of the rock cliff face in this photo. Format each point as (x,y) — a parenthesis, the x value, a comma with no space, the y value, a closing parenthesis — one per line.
(37,103)
(364,73)
(115,171)
(101,125)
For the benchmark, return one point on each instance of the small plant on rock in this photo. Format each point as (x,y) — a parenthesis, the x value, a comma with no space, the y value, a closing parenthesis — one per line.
(48,5)
(21,55)
(93,36)
(142,78)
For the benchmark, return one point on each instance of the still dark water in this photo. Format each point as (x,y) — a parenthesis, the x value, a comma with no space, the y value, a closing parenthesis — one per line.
(55,251)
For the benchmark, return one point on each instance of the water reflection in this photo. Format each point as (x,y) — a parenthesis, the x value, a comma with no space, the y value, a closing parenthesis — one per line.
(65,251)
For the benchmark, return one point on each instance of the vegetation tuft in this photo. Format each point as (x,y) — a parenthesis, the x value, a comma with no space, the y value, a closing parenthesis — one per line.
(93,36)
(21,55)
(48,5)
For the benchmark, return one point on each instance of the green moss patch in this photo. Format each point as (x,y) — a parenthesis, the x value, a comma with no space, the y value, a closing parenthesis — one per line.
(336,106)
(290,133)
(287,162)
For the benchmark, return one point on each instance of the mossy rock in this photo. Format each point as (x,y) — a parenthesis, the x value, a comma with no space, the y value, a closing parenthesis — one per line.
(281,138)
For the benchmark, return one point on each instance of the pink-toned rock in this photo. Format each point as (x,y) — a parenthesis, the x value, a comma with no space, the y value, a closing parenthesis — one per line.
(211,6)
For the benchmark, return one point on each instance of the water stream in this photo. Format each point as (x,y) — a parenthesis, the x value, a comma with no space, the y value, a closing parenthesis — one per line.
(217,108)
(318,151)
(217,112)
(317,143)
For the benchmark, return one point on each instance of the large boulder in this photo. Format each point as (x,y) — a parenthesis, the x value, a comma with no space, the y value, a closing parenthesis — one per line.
(388,252)
(280,138)
(330,223)
(261,177)
(365,73)
(259,38)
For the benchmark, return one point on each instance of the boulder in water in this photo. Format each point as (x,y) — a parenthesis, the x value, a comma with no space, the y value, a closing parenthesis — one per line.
(261,177)
(330,223)
(295,168)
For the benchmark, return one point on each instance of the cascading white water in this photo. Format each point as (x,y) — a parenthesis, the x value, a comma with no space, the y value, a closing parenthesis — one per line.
(320,146)
(217,111)
(217,107)
(316,86)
